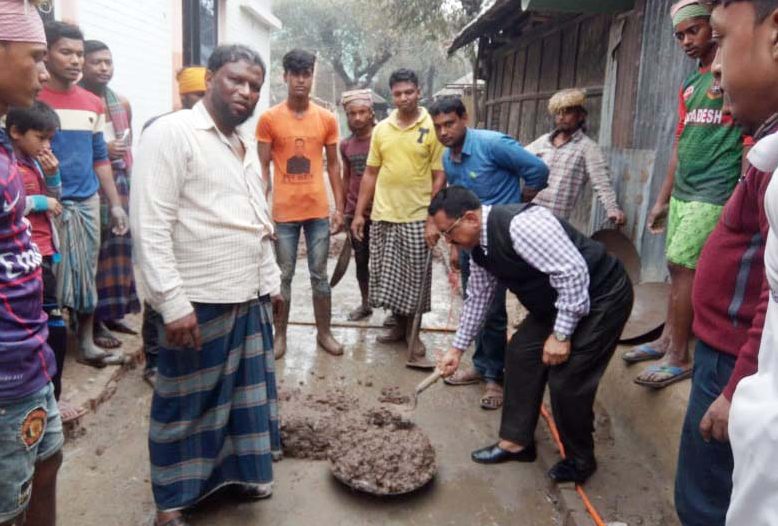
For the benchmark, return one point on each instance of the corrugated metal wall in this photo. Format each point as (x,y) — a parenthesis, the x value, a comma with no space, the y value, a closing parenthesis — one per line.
(663,69)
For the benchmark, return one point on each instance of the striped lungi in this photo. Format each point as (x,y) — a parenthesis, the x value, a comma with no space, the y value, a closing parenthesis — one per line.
(214,415)
(79,237)
(398,253)
(115,280)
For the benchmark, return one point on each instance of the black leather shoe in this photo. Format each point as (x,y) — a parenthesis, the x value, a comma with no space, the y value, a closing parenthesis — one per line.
(495,455)
(570,471)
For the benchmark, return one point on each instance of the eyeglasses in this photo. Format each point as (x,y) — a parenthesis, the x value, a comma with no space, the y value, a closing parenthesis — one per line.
(447,233)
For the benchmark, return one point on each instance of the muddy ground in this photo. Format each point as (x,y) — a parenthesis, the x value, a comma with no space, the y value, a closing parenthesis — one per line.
(105,478)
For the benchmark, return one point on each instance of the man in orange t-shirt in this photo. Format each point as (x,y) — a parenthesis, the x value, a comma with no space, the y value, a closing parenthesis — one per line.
(293,134)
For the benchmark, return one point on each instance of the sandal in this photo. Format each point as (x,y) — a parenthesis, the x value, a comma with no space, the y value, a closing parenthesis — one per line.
(669,374)
(360,313)
(464,377)
(68,412)
(120,327)
(641,353)
(492,397)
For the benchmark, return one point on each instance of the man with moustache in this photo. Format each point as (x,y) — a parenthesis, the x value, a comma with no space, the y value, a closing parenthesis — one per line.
(203,245)
(30,426)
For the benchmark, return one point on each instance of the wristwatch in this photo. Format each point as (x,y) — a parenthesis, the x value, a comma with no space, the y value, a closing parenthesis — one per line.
(561,337)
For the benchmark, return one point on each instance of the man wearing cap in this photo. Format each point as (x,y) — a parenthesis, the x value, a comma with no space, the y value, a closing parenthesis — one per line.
(30,427)
(705,165)
(572,158)
(358,105)
(191,85)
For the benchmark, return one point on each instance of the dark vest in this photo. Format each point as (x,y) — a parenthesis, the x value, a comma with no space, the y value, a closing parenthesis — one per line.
(530,285)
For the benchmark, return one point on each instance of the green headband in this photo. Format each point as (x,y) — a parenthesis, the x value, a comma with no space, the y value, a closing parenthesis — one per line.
(690,11)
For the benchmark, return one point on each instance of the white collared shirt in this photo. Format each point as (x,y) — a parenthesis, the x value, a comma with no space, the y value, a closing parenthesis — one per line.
(200,223)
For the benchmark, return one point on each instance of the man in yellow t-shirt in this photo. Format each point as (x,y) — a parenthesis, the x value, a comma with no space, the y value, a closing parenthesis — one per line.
(293,134)
(404,171)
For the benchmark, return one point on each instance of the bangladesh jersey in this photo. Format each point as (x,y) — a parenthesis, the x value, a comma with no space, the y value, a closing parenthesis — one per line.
(710,145)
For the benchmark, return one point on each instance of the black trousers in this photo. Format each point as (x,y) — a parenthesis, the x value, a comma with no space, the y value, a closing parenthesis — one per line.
(573,384)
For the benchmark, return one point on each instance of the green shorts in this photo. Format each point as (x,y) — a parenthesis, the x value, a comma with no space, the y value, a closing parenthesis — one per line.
(688,226)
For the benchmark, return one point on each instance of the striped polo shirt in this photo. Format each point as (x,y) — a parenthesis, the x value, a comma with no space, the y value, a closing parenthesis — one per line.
(79,144)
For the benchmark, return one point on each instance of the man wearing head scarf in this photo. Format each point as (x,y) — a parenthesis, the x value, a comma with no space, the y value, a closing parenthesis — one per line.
(30,427)
(191,85)
(358,105)
(573,159)
(705,165)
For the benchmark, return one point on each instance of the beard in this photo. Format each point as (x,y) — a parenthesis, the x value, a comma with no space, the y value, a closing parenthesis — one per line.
(226,114)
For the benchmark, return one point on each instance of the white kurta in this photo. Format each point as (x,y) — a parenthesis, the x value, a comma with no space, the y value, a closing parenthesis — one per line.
(753,421)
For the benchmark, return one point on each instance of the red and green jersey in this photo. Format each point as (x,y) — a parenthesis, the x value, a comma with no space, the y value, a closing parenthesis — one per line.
(710,145)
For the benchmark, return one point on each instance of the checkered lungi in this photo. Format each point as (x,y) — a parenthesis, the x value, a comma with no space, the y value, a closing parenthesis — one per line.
(397,256)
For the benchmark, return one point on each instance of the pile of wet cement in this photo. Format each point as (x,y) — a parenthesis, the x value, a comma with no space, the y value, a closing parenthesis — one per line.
(373,449)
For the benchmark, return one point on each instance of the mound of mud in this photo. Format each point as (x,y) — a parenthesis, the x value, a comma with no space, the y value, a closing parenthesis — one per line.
(370,449)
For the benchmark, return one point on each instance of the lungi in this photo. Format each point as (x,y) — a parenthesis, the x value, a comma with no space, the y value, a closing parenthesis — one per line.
(115,280)
(214,414)
(398,253)
(79,235)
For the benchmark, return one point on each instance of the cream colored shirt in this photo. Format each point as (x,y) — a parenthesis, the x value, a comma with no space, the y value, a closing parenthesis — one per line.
(200,223)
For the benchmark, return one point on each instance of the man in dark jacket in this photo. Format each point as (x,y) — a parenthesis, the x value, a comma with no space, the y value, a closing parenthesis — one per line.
(578,298)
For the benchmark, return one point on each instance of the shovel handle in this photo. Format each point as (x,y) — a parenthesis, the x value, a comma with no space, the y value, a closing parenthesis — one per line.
(431,379)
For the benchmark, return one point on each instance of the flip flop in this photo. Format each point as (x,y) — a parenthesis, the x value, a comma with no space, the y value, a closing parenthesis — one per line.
(674,374)
(69,413)
(642,353)
(120,327)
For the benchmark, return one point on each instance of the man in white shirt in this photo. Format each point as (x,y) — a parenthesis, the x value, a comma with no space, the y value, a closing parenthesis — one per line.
(203,245)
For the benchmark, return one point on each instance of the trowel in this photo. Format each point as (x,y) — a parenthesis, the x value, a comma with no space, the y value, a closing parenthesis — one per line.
(431,379)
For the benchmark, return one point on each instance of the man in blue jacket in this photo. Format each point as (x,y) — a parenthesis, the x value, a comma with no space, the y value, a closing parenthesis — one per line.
(490,164)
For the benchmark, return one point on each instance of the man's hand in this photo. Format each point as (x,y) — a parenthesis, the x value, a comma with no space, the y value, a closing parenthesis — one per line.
(715,421)
(119,221)
(116,149)
(336,222)
(555,352)
(184,332)
(431,233)
(358,227)
(453,258)
(55,207)
(448,363)
(49,162)
(657,218)
(617,216)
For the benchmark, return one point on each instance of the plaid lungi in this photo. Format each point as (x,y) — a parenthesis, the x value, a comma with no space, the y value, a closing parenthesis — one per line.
(115,280)
(398,253)
(79,237)
(214,415)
